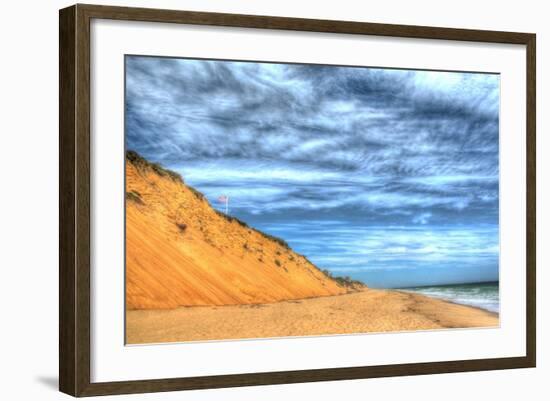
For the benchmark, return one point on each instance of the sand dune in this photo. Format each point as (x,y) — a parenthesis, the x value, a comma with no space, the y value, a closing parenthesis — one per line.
(361,312)
(181,252)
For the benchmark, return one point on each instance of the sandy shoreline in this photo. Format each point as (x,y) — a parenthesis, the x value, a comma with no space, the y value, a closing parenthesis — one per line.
(361,312)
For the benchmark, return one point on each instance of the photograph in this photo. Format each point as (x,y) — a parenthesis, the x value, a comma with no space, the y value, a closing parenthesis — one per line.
(271,199)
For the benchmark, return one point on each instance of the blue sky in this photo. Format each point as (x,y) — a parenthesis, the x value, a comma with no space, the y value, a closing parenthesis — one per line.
(387,176)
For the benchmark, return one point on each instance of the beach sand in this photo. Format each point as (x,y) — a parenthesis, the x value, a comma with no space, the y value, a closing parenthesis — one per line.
(364,311)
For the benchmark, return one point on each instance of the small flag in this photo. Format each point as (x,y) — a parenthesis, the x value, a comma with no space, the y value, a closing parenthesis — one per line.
(224,199)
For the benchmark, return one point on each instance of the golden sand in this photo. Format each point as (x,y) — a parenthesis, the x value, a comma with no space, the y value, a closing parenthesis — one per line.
(360,312)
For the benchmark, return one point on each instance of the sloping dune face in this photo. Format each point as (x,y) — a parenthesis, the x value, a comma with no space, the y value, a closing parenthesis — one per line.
(181,252)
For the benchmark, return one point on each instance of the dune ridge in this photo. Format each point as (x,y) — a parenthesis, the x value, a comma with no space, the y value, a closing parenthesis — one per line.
(182,252)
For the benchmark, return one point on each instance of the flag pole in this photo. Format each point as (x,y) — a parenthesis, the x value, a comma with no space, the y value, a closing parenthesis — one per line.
(227,205)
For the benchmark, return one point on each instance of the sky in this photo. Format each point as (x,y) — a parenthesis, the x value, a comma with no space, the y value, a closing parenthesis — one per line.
(387,176)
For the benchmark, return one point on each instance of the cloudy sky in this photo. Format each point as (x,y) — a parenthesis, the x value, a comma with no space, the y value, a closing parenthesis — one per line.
(388,176)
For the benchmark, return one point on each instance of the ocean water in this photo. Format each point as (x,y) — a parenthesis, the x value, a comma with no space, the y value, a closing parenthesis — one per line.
(480,295)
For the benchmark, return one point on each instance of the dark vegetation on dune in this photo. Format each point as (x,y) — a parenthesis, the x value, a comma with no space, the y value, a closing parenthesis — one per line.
(134,196)
(345,281)
(141,162)
(278,240)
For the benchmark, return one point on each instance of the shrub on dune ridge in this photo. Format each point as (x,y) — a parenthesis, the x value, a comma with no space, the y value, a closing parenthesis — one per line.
(231,218)
(345,281)
(141,162)
(197,194)
(278,240)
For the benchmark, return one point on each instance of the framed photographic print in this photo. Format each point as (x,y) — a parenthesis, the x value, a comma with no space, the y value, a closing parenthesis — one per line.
(250,200)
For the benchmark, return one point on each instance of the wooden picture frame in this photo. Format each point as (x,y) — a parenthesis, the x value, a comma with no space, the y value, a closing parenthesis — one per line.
(74,203)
